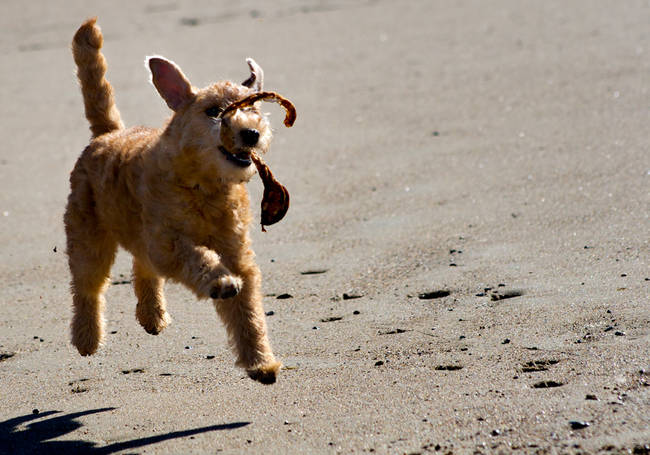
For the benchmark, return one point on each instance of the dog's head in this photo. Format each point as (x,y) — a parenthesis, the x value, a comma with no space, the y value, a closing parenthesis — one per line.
(209,145)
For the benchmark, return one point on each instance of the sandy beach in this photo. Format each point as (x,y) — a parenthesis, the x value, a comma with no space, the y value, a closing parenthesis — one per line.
(464,268)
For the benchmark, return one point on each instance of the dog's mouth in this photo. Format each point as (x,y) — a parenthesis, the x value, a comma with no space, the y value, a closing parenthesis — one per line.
(241,159)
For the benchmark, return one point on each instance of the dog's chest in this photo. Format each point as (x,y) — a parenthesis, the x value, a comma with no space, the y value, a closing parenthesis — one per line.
(216,215)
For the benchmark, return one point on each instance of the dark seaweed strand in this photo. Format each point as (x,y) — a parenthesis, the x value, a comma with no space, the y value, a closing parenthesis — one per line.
(290,109)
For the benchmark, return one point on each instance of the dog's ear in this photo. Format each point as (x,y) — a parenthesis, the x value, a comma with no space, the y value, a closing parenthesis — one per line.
(170,82)
(256,79)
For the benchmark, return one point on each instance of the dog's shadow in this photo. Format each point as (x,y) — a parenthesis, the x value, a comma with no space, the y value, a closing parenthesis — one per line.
(17,436)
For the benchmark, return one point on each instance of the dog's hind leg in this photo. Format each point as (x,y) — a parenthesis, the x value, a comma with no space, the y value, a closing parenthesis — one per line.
(151,309)
(91,252)
(90,264)
(244,318)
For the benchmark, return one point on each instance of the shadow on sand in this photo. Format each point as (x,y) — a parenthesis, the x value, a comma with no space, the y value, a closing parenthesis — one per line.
(36,436)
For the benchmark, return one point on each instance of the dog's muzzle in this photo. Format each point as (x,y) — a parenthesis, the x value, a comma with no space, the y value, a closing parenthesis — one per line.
(241,159)
(249,137)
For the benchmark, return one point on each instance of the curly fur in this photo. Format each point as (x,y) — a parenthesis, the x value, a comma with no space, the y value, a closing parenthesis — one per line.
(173,199)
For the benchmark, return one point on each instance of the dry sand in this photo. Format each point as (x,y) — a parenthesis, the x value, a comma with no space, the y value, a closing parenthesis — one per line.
(440,146)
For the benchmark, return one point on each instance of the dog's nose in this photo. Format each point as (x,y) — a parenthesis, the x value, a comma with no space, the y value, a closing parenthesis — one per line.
(249,136)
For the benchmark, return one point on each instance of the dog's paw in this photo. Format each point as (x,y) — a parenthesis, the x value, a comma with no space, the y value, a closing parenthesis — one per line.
(266,374)
(87,334)
(226,287)
(87,350)
(154,323)
(86,343)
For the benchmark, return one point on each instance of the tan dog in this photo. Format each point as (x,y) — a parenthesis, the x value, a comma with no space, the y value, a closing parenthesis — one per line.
(175,198)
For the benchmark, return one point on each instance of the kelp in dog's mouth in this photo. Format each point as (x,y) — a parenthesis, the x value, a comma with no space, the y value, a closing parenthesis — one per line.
(275,201)
(288,106)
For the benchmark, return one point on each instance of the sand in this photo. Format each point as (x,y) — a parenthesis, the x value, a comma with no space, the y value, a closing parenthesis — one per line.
(470,179)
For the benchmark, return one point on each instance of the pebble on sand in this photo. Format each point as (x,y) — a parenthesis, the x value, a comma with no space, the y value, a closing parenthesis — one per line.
(347,296)
(578,424)
(506,295)
(547,384)
(313,271)
(433,294)
(6,355)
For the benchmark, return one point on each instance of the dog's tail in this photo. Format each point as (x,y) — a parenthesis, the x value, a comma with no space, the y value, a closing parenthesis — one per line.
(101,111)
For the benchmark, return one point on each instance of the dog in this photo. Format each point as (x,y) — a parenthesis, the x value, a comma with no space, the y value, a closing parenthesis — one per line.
(175,198)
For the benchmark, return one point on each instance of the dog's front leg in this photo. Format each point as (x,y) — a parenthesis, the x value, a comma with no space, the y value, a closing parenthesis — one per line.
(196,266)
(239,297)
(245,321)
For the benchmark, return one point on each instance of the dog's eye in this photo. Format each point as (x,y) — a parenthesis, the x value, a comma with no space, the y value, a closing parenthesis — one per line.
(213,111)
